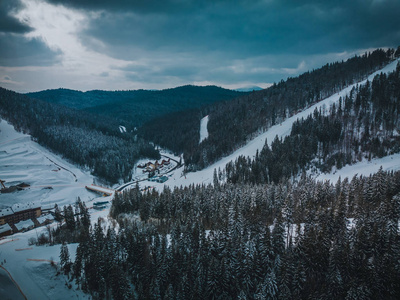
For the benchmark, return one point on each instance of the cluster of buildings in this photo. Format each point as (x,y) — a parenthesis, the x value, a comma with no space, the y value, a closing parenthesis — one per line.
(152,167)
(22,217)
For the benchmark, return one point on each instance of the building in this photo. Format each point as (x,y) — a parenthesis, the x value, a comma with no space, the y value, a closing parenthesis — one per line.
(4,215)
(162,179)
(19,212)
(24,225)
(5,230)
(44,220)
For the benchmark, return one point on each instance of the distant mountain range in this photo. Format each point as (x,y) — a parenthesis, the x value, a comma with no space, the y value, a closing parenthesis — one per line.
(138,106)
(249,89)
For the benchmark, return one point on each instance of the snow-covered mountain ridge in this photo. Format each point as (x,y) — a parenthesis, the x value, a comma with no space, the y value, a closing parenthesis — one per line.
(281,130)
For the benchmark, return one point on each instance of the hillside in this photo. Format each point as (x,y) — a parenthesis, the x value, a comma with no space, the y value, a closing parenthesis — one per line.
(139,106)
(250,240)
(81,137)
(248,116)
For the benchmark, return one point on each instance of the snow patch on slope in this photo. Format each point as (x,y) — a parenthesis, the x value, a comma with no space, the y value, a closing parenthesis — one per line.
(122,129)
(365,168)
(203,129)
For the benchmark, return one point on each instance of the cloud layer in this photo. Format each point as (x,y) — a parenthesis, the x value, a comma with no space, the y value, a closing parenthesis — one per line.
(156,44)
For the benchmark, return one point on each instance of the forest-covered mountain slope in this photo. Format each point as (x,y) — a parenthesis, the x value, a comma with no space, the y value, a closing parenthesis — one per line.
(138,106)
(233,123)
(365,124)
(83,138)
(308,240)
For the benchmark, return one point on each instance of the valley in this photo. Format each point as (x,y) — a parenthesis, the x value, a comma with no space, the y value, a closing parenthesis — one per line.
(149,213)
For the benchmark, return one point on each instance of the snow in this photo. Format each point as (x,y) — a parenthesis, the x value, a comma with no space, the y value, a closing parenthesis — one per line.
(45,218)
(24,224)
(8,289)
(51,178)
(203,129)
(21,207)
(30,267)
(365,168)
(55,180)
(6,212)
(122,129)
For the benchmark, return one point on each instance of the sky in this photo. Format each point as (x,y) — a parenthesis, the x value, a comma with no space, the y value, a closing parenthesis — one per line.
(157,44)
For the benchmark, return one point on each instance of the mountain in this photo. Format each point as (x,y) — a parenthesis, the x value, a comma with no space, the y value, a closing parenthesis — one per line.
(233,123)
(88,141)
(249,89)
(139,106)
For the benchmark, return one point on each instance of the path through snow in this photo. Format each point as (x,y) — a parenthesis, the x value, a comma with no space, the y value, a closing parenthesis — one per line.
(203,129)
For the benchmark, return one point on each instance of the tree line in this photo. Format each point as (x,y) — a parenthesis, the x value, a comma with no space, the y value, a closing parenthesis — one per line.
(307,240)
(232,123)
(84,138)
(361,126)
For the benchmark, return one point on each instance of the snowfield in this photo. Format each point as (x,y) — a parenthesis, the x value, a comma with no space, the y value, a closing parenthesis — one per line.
(365,168)
(52,179)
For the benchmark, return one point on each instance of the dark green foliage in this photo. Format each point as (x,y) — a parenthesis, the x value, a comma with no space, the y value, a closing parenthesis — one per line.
(362,125)
(140,106)
(86,139)
(233,123)
(322,257)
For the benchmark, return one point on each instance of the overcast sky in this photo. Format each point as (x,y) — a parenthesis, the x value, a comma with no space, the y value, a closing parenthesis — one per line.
(133,44)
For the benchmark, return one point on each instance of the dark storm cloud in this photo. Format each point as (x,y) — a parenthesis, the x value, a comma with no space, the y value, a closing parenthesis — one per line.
(16,51)
(207,38)
(245,27)
(8,23)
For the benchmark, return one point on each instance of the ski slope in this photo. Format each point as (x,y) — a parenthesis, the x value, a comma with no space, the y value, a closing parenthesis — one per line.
(203,129)
(205,176)
(51,178)
(365,168)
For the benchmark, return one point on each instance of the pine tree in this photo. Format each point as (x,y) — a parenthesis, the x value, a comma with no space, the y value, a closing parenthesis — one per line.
(65,261)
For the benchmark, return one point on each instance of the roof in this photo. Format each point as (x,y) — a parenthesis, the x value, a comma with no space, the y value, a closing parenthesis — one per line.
(24,224)
(5,228)
(21,207)
(6,212)
(44,218)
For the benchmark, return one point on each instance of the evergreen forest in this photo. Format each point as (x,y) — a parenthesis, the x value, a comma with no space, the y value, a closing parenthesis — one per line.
(247,116)
(307,240)
(85,139)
